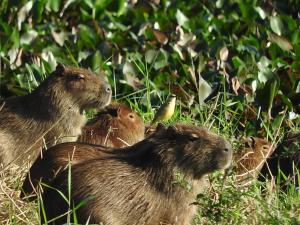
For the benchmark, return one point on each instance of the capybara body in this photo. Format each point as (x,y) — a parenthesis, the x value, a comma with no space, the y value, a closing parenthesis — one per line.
(285,159)
(52,113)
(138,186)
(55,160)
(249,160)
(115,126)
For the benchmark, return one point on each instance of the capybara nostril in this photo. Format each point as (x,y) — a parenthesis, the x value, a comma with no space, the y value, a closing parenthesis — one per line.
(108,89)
(228,147)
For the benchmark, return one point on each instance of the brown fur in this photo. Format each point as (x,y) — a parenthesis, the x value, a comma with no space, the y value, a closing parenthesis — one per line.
(138,186)
(52,113)
(115,126)
(55,160)
(249,160)
(285,159)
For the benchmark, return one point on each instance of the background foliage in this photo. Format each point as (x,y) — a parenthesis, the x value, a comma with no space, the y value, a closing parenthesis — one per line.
(246,53)
(248,49)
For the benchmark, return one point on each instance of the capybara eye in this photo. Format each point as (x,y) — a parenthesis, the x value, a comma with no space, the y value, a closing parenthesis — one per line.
(78,76)
(265,147)
(131,116)
(193,137)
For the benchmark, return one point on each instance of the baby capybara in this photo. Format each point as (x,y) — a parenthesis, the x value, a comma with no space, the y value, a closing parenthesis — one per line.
(249,159)
(115,126)
(52,113)
(138,186)
(284,160)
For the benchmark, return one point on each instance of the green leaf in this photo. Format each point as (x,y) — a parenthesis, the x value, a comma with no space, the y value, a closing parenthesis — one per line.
(237,62)
(204,90)
(181,18)
(276,25)
(150,55)
(265,95)
(282,42)
(121,7)
(22,14)
(38,9)
(96,61)
(53,5)
(28,37)
(261,12)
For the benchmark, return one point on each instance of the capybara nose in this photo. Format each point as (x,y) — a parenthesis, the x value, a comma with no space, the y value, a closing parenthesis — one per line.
(108,89)
(227,148)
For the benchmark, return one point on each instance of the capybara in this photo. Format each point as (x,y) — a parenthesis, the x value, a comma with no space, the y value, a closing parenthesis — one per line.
(284,160)
(115,126)
(249,159)
(139,185)
(52,113)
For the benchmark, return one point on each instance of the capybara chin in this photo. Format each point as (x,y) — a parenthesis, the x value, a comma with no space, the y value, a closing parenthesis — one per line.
(115,126)
(138,186)
(52,113)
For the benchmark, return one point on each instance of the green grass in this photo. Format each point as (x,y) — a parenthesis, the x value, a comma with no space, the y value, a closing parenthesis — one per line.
(267,69)
(225,202)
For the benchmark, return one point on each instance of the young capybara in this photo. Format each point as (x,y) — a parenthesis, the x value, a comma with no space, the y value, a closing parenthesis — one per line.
(248,161)
(139,186)
(52,113)
(284,160)
(115,126)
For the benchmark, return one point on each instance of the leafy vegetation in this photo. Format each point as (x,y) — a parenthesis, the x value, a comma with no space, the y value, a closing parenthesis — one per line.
(234,65)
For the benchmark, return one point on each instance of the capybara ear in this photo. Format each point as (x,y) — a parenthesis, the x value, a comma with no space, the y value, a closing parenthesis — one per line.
(249,142)
(160,128)
(60,68)
(172,130)
(119,111)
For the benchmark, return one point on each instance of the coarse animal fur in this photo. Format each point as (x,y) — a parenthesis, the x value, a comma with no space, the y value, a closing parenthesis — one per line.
(249,159)
(139,186)
(115,126)
(284,160)
(52,113)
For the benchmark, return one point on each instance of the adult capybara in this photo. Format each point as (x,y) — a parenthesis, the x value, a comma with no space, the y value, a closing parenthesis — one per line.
(52,113)
(115,126)
(249,159)
(139,185)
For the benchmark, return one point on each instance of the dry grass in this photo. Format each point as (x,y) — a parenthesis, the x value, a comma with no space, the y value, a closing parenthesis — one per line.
(224,202)
(12,209)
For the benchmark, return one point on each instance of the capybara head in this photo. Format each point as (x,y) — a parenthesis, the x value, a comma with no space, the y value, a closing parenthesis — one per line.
(115,126)
(251,157)
(81,86)
(196,150)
